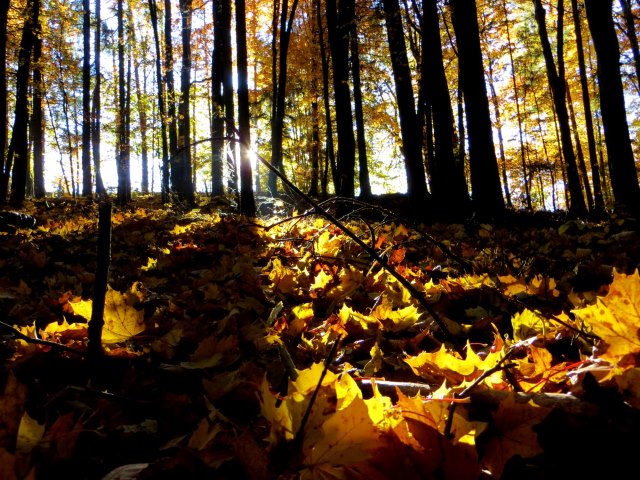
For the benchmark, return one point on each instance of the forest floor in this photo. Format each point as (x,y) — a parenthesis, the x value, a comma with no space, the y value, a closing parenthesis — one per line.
(278,347)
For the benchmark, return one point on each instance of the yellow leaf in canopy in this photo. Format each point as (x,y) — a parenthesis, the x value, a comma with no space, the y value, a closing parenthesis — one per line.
(512,433)
(30,433)
(615,318)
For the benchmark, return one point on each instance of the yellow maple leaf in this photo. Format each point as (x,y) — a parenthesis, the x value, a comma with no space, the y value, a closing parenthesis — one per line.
(511,433)
(121,319)
(615,317)
(30,433)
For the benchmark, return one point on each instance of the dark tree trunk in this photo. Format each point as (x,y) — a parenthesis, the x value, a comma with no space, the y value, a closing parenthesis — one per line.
(448,184)
(624,178)
(184,185)
(338,30)
(329,150)
(280,91)
(95,112)
(17,161)
(247,200)
(217,78)
(516,96)
(37,119)
(630,31)
(485,178)
(363,163)
(123,151)
(172,130)
(153,11)
(227,91)
(4,121)
(87,184)
(557,83)
(411,136)
(586,102)
(579,153)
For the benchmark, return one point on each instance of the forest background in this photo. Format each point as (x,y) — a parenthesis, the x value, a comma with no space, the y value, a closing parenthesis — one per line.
(479,105)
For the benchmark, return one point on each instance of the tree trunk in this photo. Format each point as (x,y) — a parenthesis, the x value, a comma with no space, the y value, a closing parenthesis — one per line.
(17,161)
(37,118)
(95,111)
(227,91)
(280,91)
(630,31)
(182,159)
(448,183)
(363,163)
(329,149)
(123,151)
(87,184)
(523,158)
(485,178)
(217,121)
(153,11)
(170,93)
(338,41)
(579,154)
(247,201)
(4,121)
(411,136)
(624,178)
(557,85)
(586,102)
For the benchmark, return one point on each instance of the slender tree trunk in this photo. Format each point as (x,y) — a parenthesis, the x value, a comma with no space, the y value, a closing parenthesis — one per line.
(4,121)
(338,42)
(96,104)
(579,154)
(124,179)
(586,102)
(630,31)
(183,154)
(329,148)
(247,200)
(411,136)
(227,92)
(624,177)
(37,118)
(280,91)
(217,122)
(172,130)
(141,105)
(17,162)
(448,183)
(557,84)
(363,163)
(523,158)
(87,184)
(485,177)
(153,11)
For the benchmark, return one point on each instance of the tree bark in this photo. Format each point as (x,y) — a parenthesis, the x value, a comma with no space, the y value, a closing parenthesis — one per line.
(557,84)
(247,200)
(4,121)
(411,136)
(37,118)
(87,184)
(217,122)
(17,161)
(624,178)
(586,103)
(172,131)
(338,43)
(448,184)
(184,184)
(630,31)
(123,150)
(96,104)
(485,179)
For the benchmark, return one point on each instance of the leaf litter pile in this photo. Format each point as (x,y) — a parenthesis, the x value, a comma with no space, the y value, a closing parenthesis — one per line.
(279,348)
